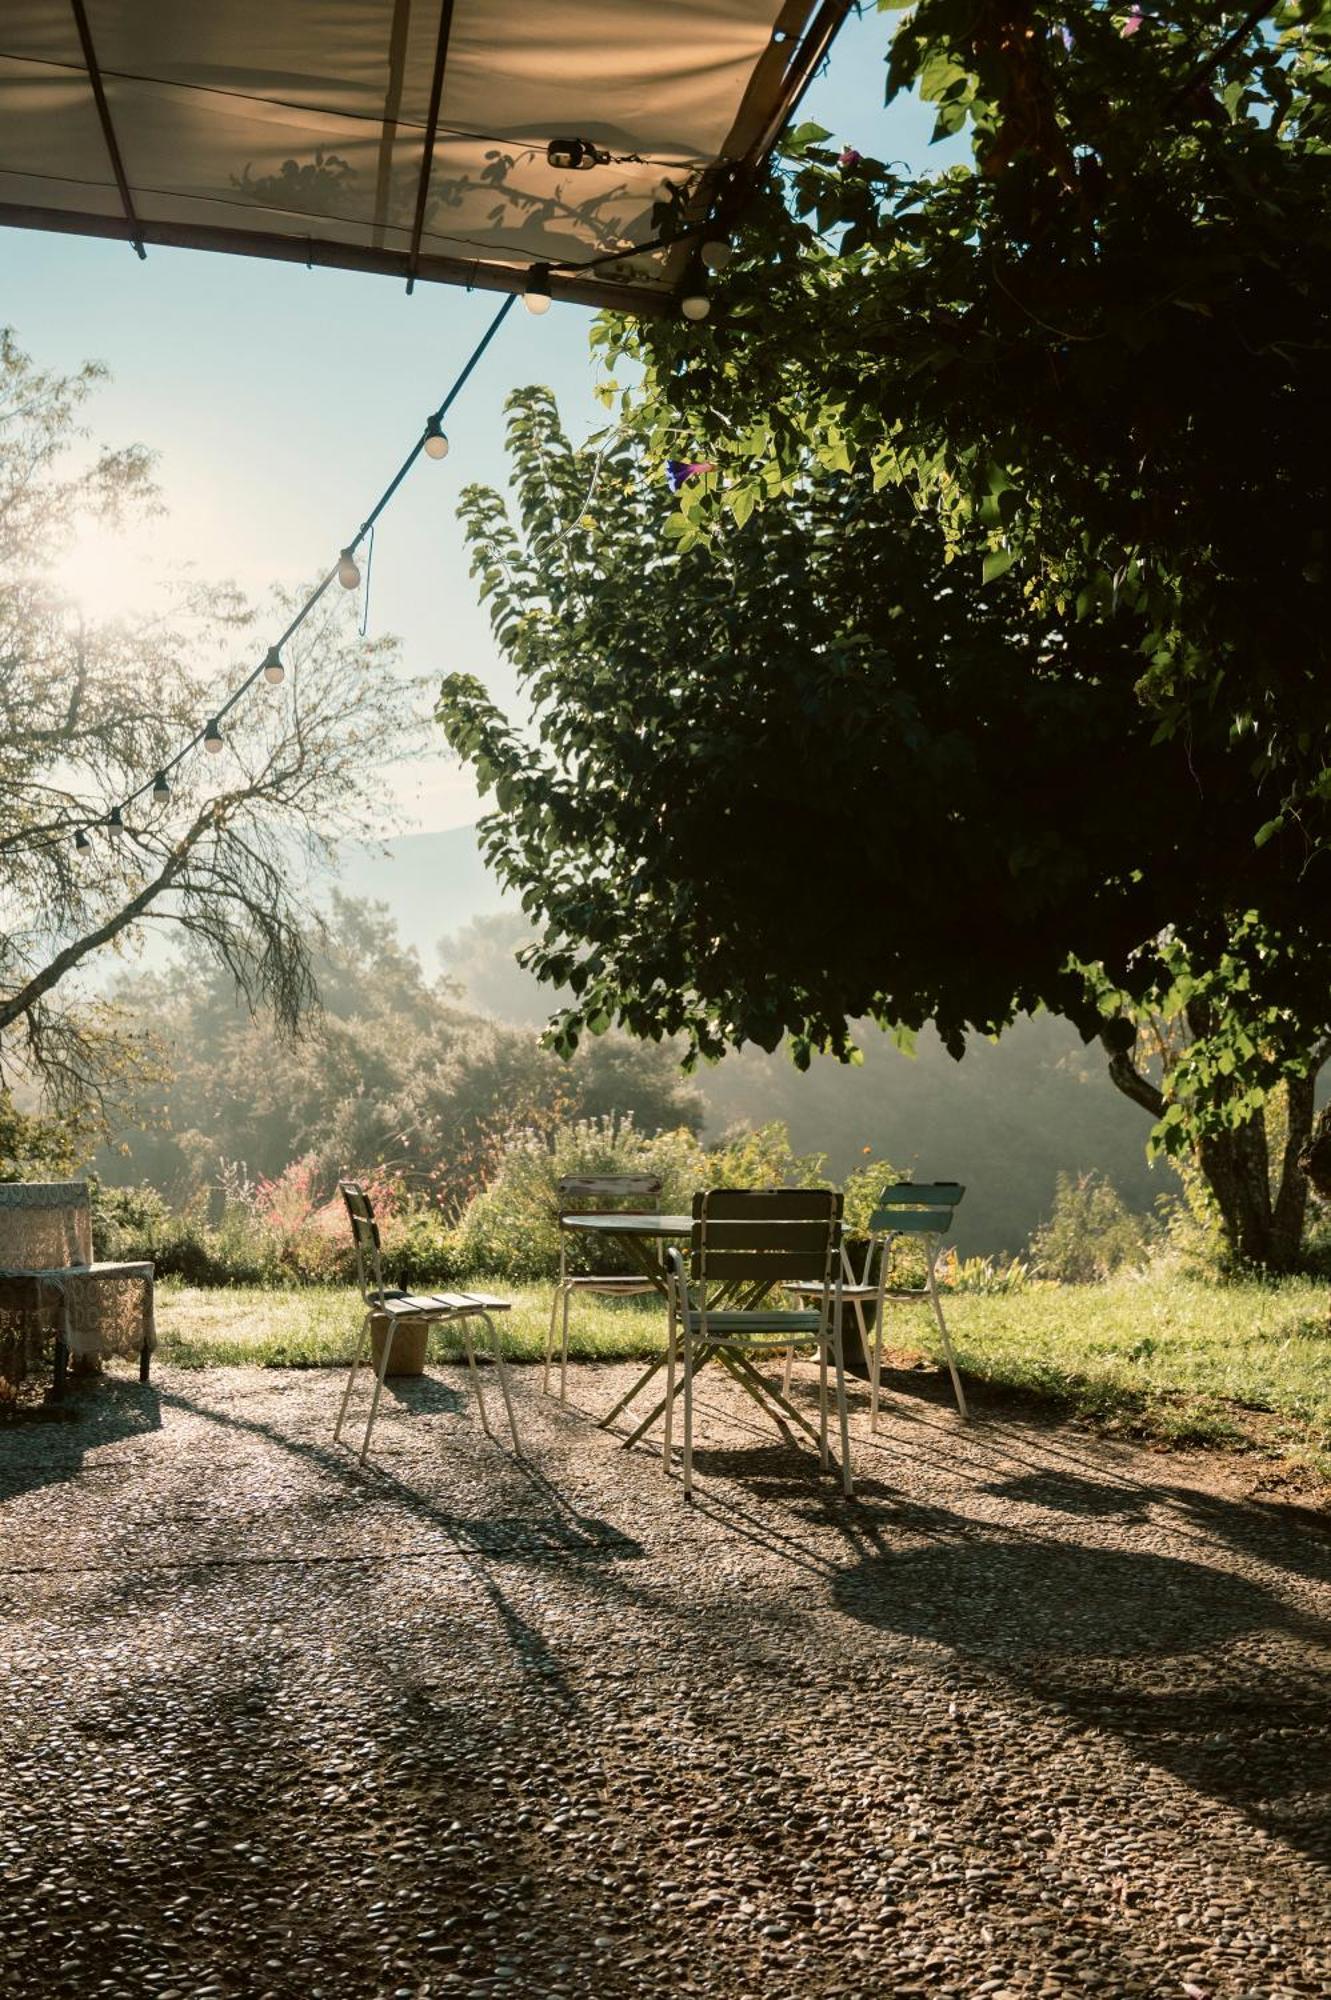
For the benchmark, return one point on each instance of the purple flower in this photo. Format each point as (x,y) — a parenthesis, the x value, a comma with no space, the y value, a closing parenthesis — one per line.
(680,469)
(848,157)
(1066,33)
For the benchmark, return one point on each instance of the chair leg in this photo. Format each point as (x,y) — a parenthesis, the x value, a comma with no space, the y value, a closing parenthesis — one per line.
(785,1373)
(501,1370)
(957,1389)
(550,1339)
(470,1353)
(843,1414)
(688,1413)
(876,1370)
(145,1361)
(672,1354)
(823,1454)
(389,1333)
(563,1352)
(351,1377)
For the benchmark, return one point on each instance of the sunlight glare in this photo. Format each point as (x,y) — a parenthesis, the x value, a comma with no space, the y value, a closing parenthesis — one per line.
(110,575)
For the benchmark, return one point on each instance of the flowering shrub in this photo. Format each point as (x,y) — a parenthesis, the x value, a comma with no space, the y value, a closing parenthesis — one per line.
(278,1232)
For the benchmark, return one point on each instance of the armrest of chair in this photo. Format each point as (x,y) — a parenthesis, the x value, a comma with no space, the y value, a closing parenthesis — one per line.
(678,1277)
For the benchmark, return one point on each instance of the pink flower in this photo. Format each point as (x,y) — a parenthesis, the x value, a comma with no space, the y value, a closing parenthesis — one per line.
(849,157)
(1133,22)
(680,469)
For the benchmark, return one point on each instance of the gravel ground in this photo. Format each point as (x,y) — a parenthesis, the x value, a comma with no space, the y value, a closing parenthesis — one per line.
(1035,1714)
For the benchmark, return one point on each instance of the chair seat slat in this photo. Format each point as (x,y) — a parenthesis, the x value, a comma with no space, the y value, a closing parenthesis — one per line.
(757,1323)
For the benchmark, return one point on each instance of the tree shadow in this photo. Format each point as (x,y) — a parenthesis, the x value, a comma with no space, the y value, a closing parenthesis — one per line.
(1174,1656)
(1066,1493)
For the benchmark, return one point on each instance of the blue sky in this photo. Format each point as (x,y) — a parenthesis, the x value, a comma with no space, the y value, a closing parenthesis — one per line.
(280,400)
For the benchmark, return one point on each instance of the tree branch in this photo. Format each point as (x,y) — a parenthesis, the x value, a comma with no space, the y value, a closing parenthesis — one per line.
(1124,1073)
(15,1005)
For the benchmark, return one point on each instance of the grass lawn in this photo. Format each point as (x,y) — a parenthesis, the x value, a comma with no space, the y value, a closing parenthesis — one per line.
(1240,1366)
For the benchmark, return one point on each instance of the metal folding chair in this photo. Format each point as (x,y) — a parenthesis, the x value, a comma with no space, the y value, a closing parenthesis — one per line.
(628,1194)
(746,1243)
(395,1309)
(906,1209)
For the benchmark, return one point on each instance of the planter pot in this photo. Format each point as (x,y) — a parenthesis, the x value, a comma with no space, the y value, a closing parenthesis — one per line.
(409,1344)
(853,1351)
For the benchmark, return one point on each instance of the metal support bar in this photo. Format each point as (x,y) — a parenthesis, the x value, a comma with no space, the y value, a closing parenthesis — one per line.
(431,128)
(108,129)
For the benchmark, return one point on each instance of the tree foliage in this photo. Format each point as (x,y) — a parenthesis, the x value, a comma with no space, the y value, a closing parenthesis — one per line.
(798,773)
(1017,472)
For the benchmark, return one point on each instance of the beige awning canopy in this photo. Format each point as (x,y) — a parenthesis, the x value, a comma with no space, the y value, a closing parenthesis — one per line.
(410,137)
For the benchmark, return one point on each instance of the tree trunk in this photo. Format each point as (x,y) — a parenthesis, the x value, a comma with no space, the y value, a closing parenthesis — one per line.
(1236,1165)
(1236,1168)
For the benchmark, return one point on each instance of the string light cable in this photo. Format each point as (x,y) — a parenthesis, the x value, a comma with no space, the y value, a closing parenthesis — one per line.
(433,442)
(270,668)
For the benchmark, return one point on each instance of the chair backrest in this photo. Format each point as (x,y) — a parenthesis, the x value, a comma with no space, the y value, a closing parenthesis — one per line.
(925,1208)
(763,1236)
(45,1225)
(364,1234)
(583,1193)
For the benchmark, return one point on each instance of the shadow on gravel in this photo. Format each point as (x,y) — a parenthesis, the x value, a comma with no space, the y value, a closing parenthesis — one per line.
(1067,1493)
(99,1410)
(425,1393)
(1192,1666)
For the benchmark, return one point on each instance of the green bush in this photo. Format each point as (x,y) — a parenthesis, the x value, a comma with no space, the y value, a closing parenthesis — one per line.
(1090,1234)
(511,1227)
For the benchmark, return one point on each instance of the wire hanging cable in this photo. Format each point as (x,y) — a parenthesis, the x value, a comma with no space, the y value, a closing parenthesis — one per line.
(269,666)
(264,670)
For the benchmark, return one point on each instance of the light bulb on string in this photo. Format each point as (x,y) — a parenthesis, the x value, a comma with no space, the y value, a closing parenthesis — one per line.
(115,825)
(536,291)
(717,252)
(212,736)
(81,841)
(695,304)
(436,439)
(273,670)
(348,570)
(161,790)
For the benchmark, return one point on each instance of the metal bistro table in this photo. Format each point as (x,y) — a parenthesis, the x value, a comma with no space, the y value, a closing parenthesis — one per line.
(641,1238)
(637,1236)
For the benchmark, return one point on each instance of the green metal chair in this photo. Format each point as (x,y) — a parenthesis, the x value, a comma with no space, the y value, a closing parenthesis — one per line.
(745,1244)
(924,1210)
(625,1194)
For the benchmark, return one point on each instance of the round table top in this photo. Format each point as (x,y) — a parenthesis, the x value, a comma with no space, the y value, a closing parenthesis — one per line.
(632,1225)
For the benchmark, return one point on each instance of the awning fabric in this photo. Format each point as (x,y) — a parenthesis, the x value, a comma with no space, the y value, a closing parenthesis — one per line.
(301,129)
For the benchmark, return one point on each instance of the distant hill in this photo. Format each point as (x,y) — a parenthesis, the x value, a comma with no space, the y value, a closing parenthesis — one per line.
(433,884)
(1007,1120)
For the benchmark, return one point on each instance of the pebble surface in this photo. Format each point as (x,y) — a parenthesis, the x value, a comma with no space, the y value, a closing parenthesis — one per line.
(1035,1714)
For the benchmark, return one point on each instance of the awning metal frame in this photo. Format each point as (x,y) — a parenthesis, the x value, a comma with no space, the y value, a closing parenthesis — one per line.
(720,194)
